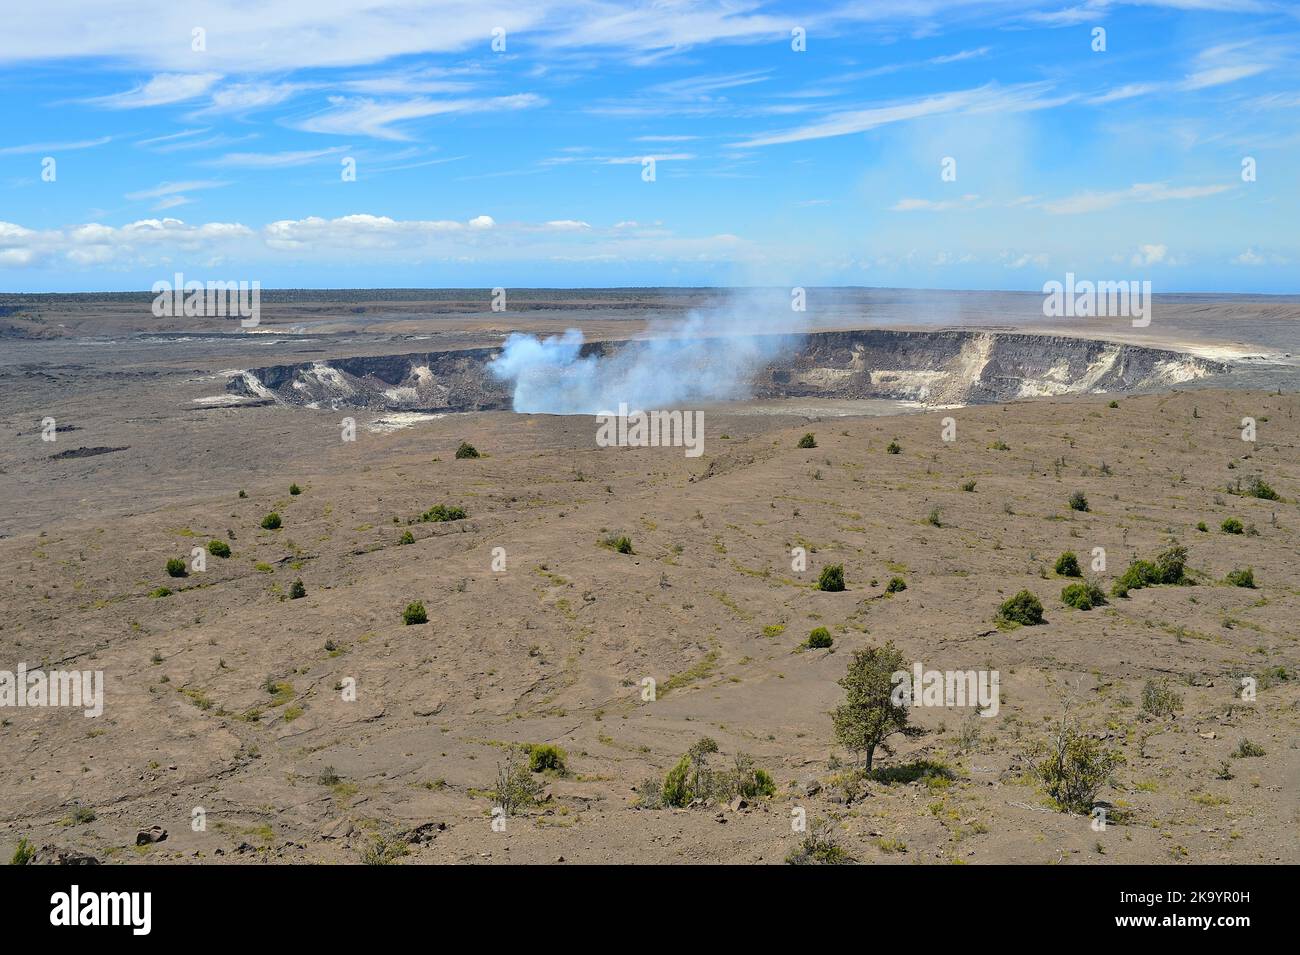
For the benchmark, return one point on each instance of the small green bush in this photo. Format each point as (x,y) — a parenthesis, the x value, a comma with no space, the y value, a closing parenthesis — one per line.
(831,578)
(1078,502)
(543,757)
(1083,596)
(271,522)
(1074,767)
(1246,749)
(218,548)
(415,613)
(618,542)
(1242,578)
(466,450)
(1257,487)
(1160,699)
(1067,565)
(1023,609)
(406,538)
(1232,525)
(160,592)
(809,440)
(23,854)
(894,448)
(296,590)
(1200,526)
(443,512)
(295,490)
(176,568)
(968,486)
(895,585)
(819,639)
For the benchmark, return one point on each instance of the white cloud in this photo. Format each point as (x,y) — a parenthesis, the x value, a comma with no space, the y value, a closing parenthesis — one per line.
(50,148)
(1148,255)
(984,99)
(1139,192)
(162,242)
(368,117)
(277,160)
(162,89)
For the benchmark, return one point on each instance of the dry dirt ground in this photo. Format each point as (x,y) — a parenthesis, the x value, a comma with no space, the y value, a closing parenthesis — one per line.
(554,647)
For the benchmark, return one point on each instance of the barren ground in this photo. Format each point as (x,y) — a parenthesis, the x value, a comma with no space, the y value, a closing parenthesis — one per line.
(554,647)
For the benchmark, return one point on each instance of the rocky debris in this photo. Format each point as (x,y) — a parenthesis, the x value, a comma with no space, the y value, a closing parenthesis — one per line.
(337,829)
(85,453)
(425,832)
(58,855)
(150,835)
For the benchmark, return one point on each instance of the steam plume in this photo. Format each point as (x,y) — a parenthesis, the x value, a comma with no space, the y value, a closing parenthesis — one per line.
(709,356)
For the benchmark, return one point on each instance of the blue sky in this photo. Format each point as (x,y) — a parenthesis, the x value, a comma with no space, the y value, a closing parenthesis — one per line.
(223,156)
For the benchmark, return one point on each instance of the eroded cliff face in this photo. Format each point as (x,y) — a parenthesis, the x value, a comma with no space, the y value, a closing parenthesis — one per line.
(934,368)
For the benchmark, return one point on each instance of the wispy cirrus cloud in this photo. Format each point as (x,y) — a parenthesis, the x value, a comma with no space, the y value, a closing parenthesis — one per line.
(54,147)
(161,90)
(988,98)
(380,119)
(172,194)
(277,160)
(1138,192)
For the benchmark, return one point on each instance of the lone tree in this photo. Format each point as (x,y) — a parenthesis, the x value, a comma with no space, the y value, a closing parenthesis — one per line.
(869,713)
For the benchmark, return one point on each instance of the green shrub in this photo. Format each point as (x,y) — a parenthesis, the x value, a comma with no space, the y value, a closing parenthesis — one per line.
(618,542)
(934,518)
(819,847)
(819,639)
(1200,526)
(543,757)
(1073,767)
(160,592)
(1023,609)
(1083,596)
(1067,565)
(895,585)
(515,787)
(176,568)
(296,590)
(894,448)
(466,450)
(809,440)
(1140,573)
(968,486)
(271,522)
(832,578)
(1231,525)
(1160,699)
(295,490)
(1246,749)
(243,493)
(692,778)
(1257,487)
(218,548)
(1113,404)
(1078,502)
(415,613)
(443,512)
(1242,578)
(23,854)
(406,538)
(1171,565)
